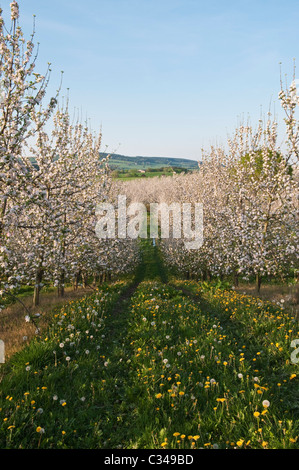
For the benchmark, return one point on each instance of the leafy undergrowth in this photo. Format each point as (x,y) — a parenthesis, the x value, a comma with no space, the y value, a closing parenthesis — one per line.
(160,369)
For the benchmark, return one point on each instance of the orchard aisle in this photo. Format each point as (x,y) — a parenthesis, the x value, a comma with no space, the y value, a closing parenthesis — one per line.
(155,362)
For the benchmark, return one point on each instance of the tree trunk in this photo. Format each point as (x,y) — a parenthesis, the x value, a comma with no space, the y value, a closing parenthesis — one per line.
(61,285)
(258,283)
(37,288)
(3,210)
(84,281)
(236,279)
(76,281)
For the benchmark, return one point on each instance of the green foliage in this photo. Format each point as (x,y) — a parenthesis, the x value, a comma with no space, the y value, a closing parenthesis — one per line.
(258,161)
(121,162)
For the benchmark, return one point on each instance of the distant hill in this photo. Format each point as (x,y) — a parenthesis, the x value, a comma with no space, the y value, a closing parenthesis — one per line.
(121,162)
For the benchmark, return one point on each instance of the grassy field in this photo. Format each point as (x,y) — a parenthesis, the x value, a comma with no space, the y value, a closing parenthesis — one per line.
(123,162)
(15,332)
(155,362)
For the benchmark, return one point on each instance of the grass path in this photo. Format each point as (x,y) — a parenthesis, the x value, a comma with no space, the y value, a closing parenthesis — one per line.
(154,362)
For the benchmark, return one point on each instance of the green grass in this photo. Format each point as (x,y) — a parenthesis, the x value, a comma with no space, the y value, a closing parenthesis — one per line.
(152,366)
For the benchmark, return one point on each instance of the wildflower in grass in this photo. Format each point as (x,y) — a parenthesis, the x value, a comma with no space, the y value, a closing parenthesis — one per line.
(158,395)
(40,411)
(55,397)
(266,403)
(256,414)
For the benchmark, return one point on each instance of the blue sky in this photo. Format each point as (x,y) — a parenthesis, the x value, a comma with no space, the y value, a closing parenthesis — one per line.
(165,77)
